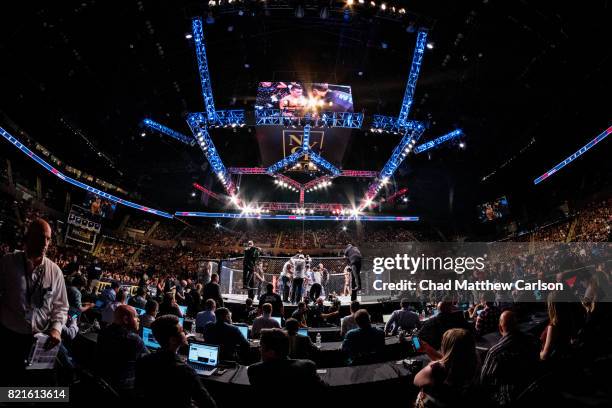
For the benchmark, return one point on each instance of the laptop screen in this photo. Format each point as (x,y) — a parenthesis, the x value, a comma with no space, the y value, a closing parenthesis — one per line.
(278,319)
(183,310)
(244,330)
(99,304)
(181,321)
(139,311)
(149,339)
(203,354)
(303,332)
(386,318)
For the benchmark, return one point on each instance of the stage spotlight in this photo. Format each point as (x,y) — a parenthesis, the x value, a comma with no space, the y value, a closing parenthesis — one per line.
(350,2)
(430,45)
(360,73)
(217,225)
(383,6)
(405,199)
(311,211)
(462,145)
(344,228)
(372,4)
(188,36)
(143,134)
(193,193)
(361,1)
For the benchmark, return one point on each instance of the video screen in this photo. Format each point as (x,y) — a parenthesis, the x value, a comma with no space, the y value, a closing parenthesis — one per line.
(100,207)
(494,210)
(295,99)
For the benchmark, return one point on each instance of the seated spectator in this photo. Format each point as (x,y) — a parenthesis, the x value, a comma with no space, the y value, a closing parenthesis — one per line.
(348,322)
(300,314)
(222,333)
(318,314)
(404,319)
(212,290)
(206,316)
(108,314)
(511,364)
(117,349)
(250,312)
(300,346)
(564,322)
(139,300)
(364,344)
(150,313)
(159,373)
(488,319)
(447,318)
(281,372)
(169,306)
(446,381)
(108,295)
(74,293)
(264,321)
(274,299)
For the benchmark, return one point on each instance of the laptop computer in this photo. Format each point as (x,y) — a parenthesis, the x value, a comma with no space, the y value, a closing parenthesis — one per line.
(181,321)
(279,320)
(149,339)
(140,311)
(386,318)
(303,332)
(244,330)
(183,310)
(203,358)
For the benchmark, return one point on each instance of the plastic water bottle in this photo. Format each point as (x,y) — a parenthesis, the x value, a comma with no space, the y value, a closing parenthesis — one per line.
(318,340)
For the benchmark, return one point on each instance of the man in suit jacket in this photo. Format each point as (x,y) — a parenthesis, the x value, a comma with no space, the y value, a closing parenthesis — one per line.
(212,290)
(288,375)
(223,333)
(300,346)
(353,257)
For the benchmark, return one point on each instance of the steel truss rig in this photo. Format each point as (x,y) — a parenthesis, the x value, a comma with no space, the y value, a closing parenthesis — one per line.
(201,122)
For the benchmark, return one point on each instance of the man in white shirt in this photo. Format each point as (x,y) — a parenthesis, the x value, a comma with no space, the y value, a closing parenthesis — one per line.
(299,270)
(286,275)
(348,323)
(314,278)
(33,300)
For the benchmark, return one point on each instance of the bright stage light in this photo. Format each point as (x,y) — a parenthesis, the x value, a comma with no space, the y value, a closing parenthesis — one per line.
(217,225)
(344,228)
(354,212)
(193,193)
(350,2)
(383,6)
(430,46)
(188,36)
(462,145)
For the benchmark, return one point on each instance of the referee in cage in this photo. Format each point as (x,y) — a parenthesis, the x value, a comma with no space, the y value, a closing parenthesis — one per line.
(251,256)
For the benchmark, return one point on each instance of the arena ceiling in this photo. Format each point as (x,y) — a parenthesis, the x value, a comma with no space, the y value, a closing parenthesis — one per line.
(523,80)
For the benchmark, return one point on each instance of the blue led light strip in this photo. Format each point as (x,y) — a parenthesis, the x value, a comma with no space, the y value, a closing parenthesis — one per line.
(197,123)
(433,143)
(415,69)
(200,47)
(306,138)
(286,162)
(169,132)
(321,162)
(77,183)
(574,156)
(288,217)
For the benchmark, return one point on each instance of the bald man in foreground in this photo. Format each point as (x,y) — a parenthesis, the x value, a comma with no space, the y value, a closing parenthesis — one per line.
(118,348)
(32,300)
(511,364)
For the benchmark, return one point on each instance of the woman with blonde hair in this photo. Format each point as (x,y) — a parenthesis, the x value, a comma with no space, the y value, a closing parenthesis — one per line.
(444,381)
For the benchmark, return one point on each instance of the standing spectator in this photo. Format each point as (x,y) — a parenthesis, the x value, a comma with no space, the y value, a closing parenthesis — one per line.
(274,299)
(108,313)
(32,300)
(297,286)
(286,276)
(212,290)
